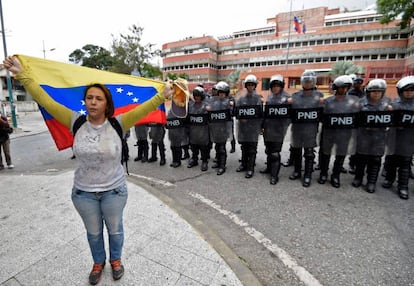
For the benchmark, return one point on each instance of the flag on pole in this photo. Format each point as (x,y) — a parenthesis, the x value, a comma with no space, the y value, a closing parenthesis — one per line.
(65,83)
(296,23)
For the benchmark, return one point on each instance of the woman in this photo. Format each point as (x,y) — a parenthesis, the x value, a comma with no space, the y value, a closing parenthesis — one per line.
(99,192)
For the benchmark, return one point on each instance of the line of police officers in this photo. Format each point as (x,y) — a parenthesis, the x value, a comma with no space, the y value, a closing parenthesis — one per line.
(345,124)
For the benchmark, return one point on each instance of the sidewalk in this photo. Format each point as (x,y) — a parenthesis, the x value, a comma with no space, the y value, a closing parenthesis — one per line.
(43,240)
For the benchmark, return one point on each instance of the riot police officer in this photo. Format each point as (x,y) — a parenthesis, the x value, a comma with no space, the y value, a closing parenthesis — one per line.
(276,122)
(372,134)
(157,134)
(249,112)
(220,111)
(306,112)
(339,129)
(198,129)
(141,133)
(404,132)
(177,137)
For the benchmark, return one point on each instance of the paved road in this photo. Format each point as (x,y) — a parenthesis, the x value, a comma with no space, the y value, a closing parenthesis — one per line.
(290,235)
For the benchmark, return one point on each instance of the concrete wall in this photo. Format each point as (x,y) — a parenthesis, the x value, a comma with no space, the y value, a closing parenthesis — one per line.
(21,106)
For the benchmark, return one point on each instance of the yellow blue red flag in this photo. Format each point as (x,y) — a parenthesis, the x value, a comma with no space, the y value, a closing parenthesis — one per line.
(65,83)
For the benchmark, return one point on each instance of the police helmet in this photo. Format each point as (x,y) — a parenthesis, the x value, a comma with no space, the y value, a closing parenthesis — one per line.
(222,86)
(277,80)
(405,83)
(308,76)
(342,81)
(376,85)
(198,91)
(250,79)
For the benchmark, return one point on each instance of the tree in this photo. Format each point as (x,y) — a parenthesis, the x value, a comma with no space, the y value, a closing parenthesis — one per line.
(391,9)
(131,56)
(346,67)
(92,56)
(233,79)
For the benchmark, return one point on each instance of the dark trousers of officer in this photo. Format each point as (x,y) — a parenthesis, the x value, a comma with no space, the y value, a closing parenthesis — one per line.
(309,156)
(248,160)
(197,149)
(372,164)
(324,164)
(161,148)
(402,165)
(221,155)
(272,151)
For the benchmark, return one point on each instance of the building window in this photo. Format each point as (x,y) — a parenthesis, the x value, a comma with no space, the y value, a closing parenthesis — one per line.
(359,39)
(385,37)
(374,57)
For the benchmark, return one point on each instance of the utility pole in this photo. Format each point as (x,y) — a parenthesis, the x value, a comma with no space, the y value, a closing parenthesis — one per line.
(288,42)
(9,83)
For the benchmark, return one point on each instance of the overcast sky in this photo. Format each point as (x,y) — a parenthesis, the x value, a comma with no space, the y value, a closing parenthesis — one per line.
(66,25)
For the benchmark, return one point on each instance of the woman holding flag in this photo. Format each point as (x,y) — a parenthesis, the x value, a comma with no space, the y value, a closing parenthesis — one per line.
(99,192)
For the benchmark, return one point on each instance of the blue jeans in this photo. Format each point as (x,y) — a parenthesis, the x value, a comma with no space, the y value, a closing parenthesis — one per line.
(97,208)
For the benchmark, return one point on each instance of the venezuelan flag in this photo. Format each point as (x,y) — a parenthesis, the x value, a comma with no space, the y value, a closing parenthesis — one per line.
(66,83)
(296,23)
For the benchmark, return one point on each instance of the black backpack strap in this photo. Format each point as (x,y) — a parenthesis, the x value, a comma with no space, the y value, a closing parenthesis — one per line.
(78,123)
(117,126)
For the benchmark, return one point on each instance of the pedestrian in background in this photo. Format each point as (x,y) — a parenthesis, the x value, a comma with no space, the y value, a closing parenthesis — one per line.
(5,131)
(99,192)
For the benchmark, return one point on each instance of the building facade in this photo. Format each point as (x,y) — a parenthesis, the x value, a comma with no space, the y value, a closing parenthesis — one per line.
(311,39)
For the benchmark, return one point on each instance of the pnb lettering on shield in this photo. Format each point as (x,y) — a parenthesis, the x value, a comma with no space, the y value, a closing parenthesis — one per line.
(247,111)
(341,120)
(196,119)
(407,118)
(220,116)
(278,111)
(308,115)
(379,118)
(173,122)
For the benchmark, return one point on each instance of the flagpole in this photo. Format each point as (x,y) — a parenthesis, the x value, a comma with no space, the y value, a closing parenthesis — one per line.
(9,83)
(288,42)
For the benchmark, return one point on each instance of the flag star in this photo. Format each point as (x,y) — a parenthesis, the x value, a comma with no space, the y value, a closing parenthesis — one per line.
(83,112)
(119,90)
(129,93)
(83,102)
(135,99)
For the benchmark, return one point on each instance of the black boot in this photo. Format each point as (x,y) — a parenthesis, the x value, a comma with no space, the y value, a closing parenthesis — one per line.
(297,162)
(373,168)
(161,148)
(336,171)
(139,147)
(145,150)
(233,146)
(153,157)
(324,166)
(176,154)
(274,163)
(403,177)
(221,159)
(359,170)
(251,161)
(307,176)
(204,166)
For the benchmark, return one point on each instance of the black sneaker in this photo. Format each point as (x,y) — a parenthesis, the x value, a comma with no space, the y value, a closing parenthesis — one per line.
(117,269)
(96,274)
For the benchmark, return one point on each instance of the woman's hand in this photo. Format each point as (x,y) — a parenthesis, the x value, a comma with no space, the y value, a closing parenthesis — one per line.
(12,64)
(168,90)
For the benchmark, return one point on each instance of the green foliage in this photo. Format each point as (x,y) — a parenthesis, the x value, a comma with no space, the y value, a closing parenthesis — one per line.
(346,67)
(391,9)
(233,79)
(127,56)
(92,56)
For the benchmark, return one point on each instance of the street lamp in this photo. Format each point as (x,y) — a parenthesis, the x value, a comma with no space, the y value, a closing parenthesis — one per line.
(44,50)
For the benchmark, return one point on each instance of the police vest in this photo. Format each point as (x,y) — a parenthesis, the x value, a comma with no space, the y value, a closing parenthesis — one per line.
(404,118)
